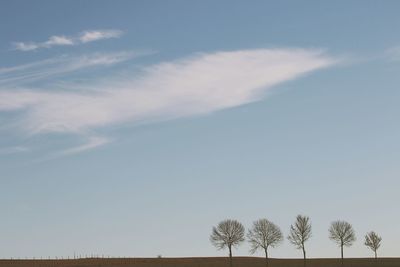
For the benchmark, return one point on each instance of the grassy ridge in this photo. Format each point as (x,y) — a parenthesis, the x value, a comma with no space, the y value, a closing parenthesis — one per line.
(200,262)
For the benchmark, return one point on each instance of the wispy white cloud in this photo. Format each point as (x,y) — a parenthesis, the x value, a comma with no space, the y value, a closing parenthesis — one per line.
(86,143)
(22,74)
(191,86)
(62,40)
(91,143)
(90,36)
(58,40)
(25,46)
(13,150)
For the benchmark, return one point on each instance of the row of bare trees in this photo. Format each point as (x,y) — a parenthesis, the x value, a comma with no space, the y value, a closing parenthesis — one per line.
(264,235)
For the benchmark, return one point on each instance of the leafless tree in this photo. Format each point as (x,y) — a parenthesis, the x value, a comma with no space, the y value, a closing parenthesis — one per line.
(373,241)
(343,234)
(228,233)
(300,232)
(264,234)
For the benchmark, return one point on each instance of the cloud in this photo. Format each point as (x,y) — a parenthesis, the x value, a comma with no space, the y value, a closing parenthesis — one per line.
(13,150)
(91,143)
(25,46)
(192,86)
(22,74)
(58,40)
(90,36)
(61,40)
(87,143)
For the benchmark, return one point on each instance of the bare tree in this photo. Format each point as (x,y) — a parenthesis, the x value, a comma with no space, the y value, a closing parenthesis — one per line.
(373,241)
(264,234)
(300,232)
(228,233)
(343,234)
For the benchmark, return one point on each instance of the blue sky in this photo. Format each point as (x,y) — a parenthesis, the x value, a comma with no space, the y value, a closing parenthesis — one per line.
(131,128)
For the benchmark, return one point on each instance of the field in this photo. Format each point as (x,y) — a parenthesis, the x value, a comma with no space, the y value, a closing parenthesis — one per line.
(200,262)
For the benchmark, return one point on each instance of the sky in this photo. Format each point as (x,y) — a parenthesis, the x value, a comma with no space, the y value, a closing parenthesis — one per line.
(131,128)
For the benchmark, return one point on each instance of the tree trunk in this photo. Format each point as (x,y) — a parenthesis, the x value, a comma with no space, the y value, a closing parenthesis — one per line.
(230,256)
(341,250)
(376,256)
(266,257)
(304,256)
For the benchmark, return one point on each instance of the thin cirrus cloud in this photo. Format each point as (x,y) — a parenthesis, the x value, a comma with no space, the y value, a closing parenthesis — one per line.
(62,65)
(62,40)
(90,36)
(13,150)
(90,143)
(191,86)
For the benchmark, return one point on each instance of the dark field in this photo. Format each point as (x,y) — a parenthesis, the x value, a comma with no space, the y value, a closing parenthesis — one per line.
(201,262)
